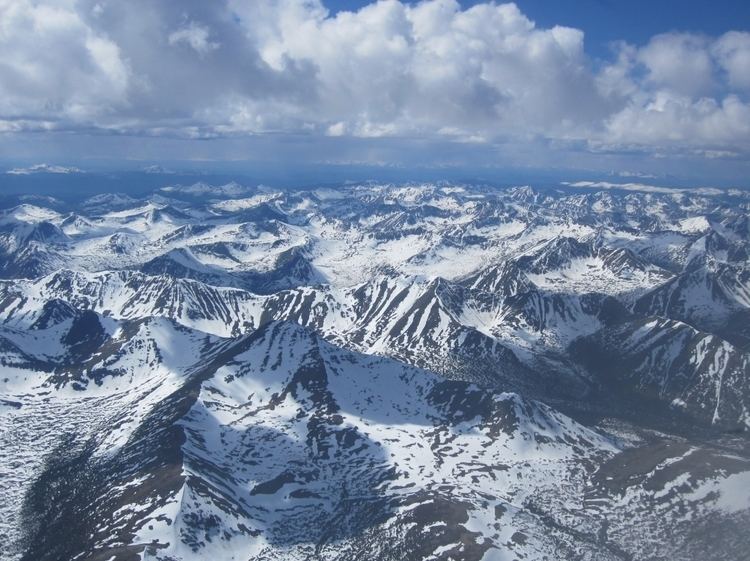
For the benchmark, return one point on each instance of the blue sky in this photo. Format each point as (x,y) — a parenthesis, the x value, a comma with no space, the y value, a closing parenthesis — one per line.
(636,89)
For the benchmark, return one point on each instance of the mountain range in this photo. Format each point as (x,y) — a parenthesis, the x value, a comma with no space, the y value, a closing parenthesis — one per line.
(375,371)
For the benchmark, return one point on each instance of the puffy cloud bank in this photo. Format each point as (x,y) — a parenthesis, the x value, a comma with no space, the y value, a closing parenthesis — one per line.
(427,70)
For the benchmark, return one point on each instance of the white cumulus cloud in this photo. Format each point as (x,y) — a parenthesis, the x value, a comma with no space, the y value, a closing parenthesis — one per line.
(392,69)
(195,36)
